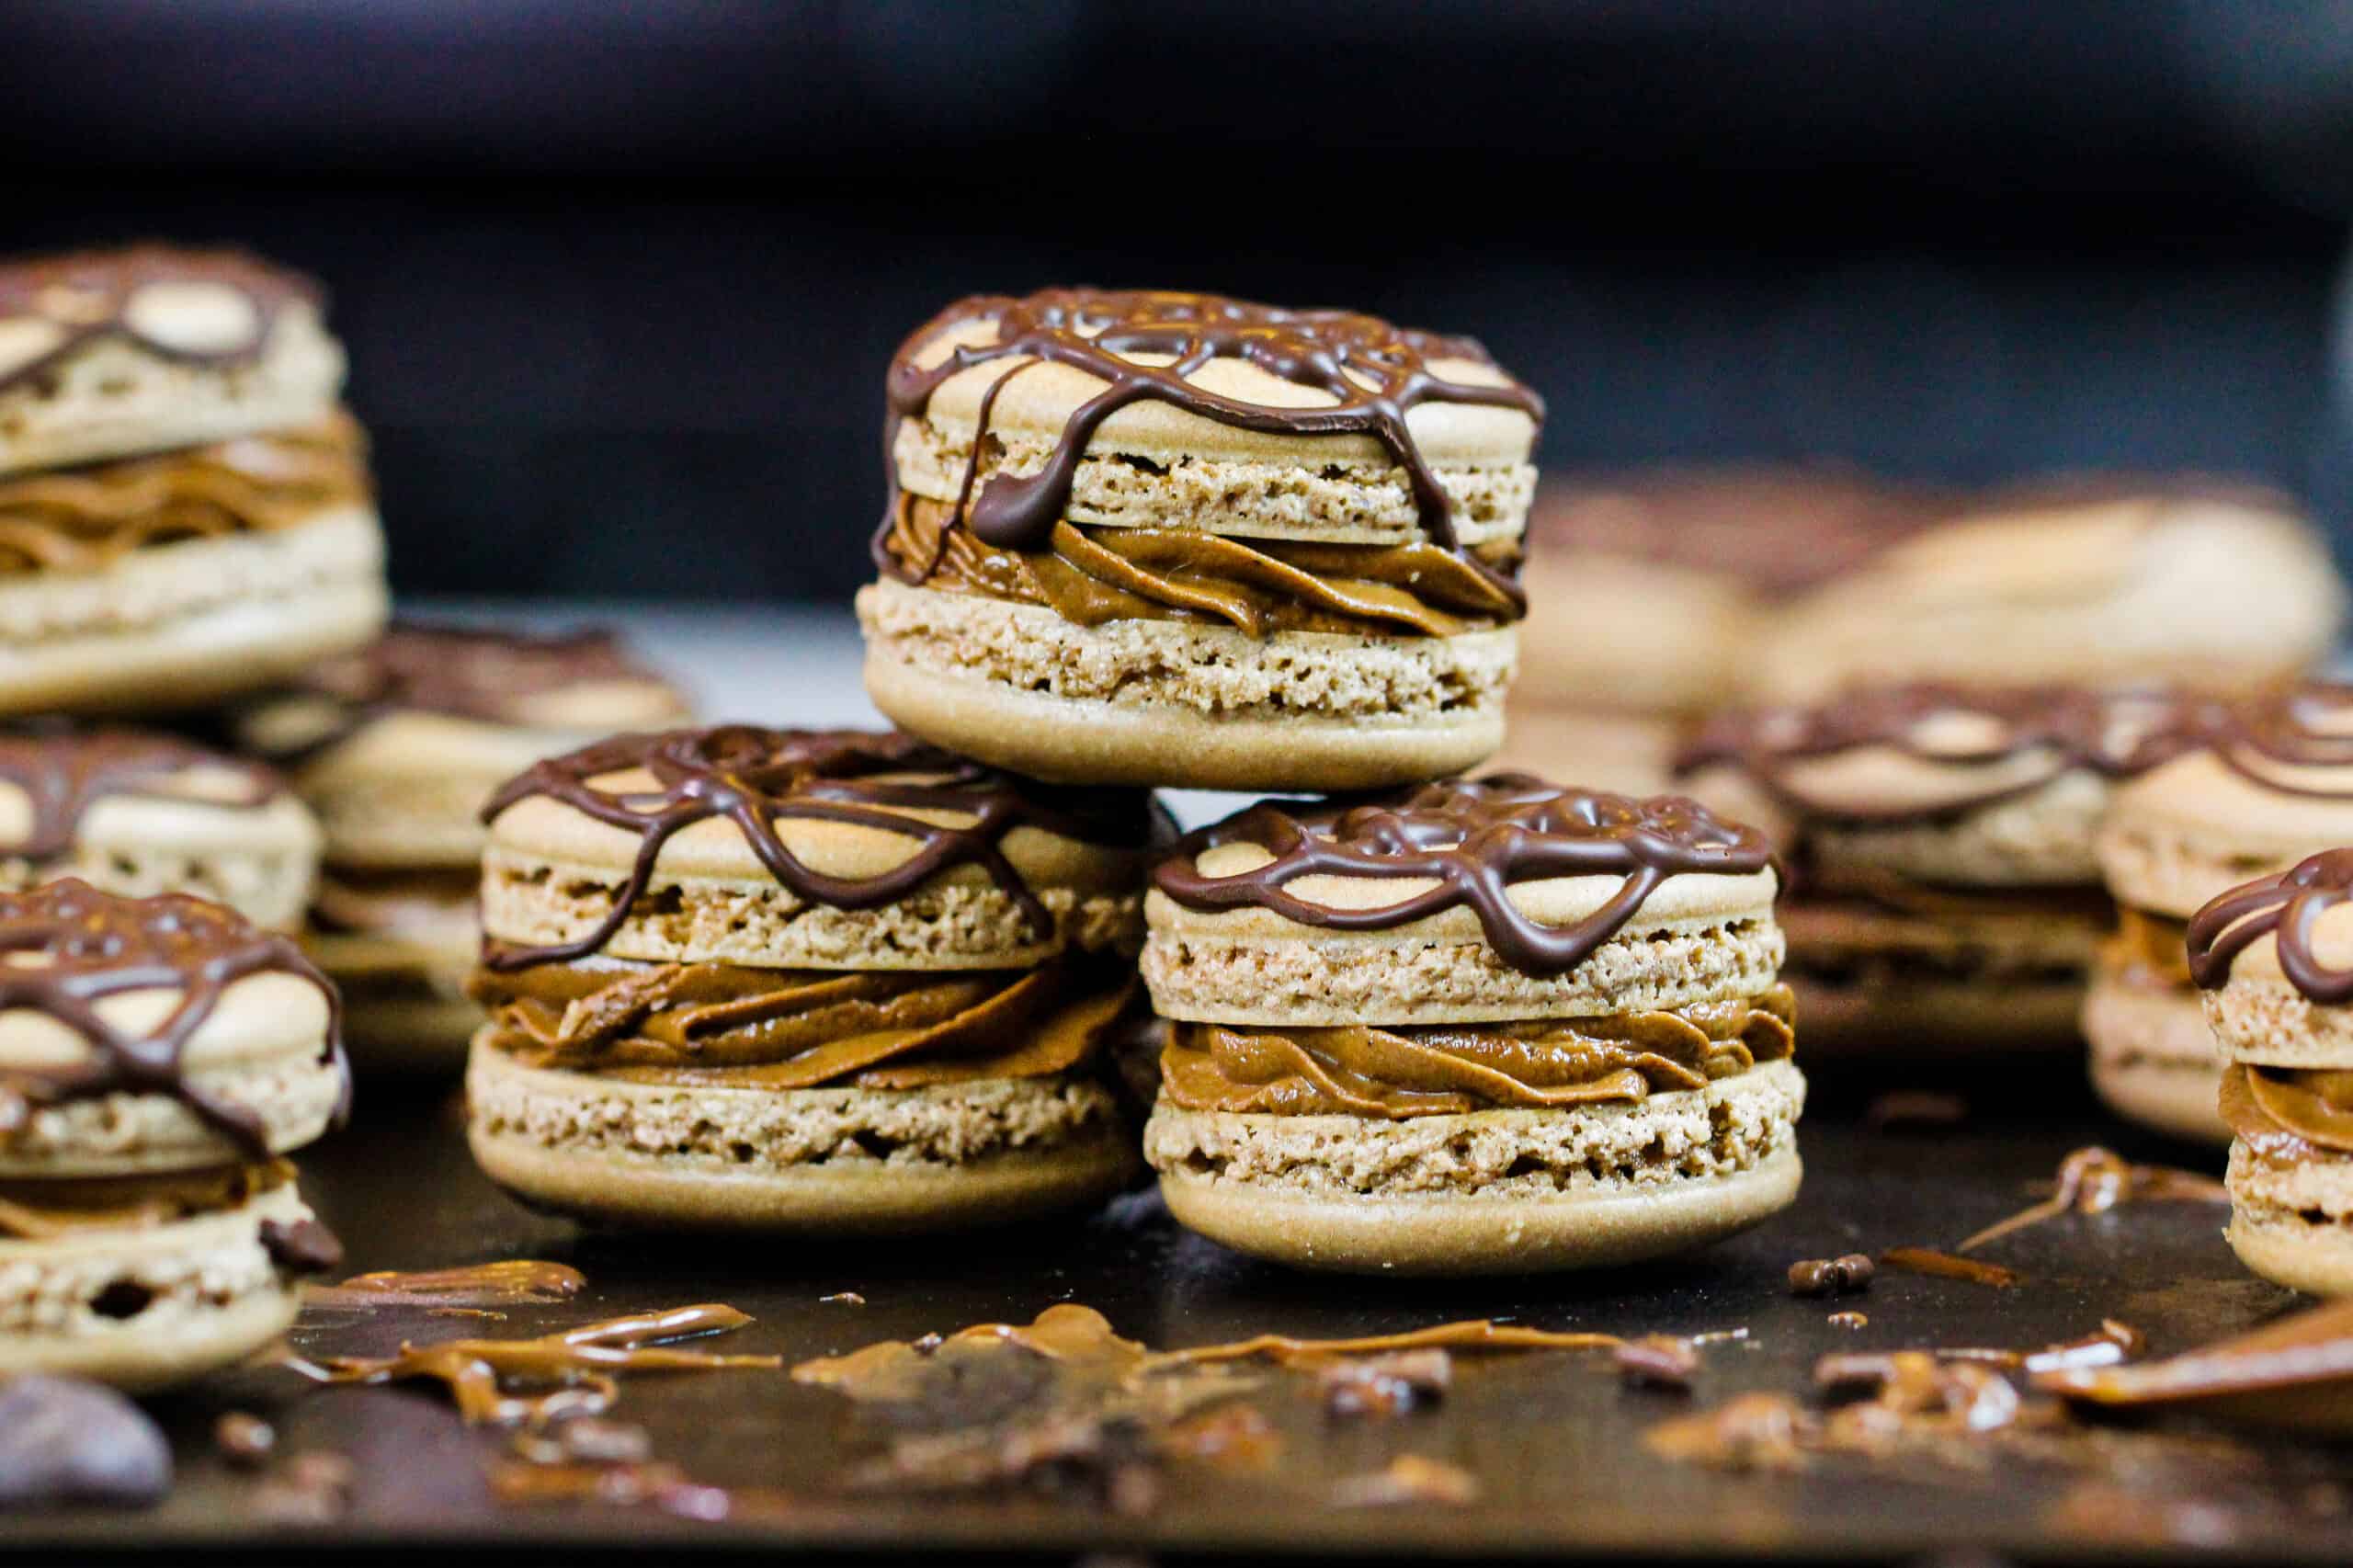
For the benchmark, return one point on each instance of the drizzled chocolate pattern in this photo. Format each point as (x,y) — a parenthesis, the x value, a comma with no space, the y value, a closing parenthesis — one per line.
(1375,373)
(67,947)
(470,672)
(754,778)
(2286,907)
(2308,726)
(64,772)
(1474,838)
(57,305)
(2114,735)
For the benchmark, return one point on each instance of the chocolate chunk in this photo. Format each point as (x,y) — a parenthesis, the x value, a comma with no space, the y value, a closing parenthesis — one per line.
(246,1440)
(1659,1360)
(65,1440)
(305,1246)
(1831,1276)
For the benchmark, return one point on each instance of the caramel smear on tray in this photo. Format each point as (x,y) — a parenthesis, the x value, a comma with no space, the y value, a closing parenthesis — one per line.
(508,1282)
(2093,1180)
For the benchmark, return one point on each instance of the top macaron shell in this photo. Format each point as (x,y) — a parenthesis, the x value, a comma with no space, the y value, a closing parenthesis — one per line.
(551,872)
(1350,493)
(2260,1016)
(107,354)
(2213,588)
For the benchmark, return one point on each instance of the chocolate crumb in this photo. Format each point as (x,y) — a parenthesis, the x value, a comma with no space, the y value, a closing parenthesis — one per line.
(1659,1360)
(245,1441)
(305,1246)
(1385,1385)
(1831,1276)
(1848,1319)
(66,1440)
(843,1299)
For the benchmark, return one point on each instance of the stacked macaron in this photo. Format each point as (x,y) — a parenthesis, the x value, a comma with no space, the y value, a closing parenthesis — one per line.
(813,981)
(1472,1027)
(396,746)
(158,1057)
(2275,960)
(1945,895)
(2271,783)
(185,510)
(1171,538)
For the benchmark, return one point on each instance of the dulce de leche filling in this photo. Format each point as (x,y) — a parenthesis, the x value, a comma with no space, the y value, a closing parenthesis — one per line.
(2289,1114)
(718,1024)
(39,1210)
(82,519)
(2149,949)
(1091,575)
(1394,1073)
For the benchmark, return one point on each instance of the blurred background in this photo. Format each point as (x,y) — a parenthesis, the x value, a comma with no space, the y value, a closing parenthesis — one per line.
(619,282)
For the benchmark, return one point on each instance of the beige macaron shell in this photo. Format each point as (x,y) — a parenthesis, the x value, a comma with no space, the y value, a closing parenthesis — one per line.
(404,1004)
(406,789)
(2292,1220)
(115,396)
(2154,1058)
(263,1046)
(2211,594)
(2194,828)
(1630,754)
(1638,637)
(2041,838)
(552,871)
(216,1297)
(1698,937)
(1488,1192)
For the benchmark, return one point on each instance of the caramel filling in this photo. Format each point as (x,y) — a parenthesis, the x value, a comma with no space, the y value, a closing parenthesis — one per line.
(2286,1113)
(727,1024)
(85,518)
(2149,949)
(1091,575)
(417,902)
(1393,1073)
(37,1210)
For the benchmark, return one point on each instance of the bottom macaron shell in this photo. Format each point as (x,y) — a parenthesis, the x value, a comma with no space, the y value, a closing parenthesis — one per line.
(2152,1058)
(2292,1222)
(1892,1022)
(1489,1192)
(842,1161)
(215,1297)
(1171,746)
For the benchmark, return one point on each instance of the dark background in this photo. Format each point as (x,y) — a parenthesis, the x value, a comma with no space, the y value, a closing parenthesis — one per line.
(619,282)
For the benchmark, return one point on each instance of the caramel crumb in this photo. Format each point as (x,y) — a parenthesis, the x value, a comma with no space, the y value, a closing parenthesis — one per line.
(245,1441)
(1385,1385)
(1408,1478)
(1848,1319)
(842,1298)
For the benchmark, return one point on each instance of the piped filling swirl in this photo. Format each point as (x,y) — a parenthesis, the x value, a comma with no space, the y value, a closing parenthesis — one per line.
(2289,1114)
(1092,575)
(719,1024)
(42,1210)
(1394,1073)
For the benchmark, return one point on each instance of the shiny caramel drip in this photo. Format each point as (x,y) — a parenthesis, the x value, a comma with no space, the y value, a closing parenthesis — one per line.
(85,518)
(69,947)
(42,1211)
(753,777)
(799,1028)
(583,1365)
(1091,575)
(2093,1180)
(506,1282)
(1394,1073)
(1471,839)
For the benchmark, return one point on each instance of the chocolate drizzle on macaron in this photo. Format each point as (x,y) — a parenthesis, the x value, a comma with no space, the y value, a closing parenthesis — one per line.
(754,778)
(2114,735)
(2291,730)
(64,772)
(1474,838)
(2286,907)
(56,305)
(67,947)
(1374,373)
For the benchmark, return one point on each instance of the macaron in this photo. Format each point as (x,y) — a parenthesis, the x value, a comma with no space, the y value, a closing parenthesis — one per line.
(135,811)
(1154,537)
(2271,783)
(184,511)
(804,982)
(1945,899)
(158,1057)
(1474,1028)
(1647,595)
(2273,958)
(2094,581)
(396,746)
